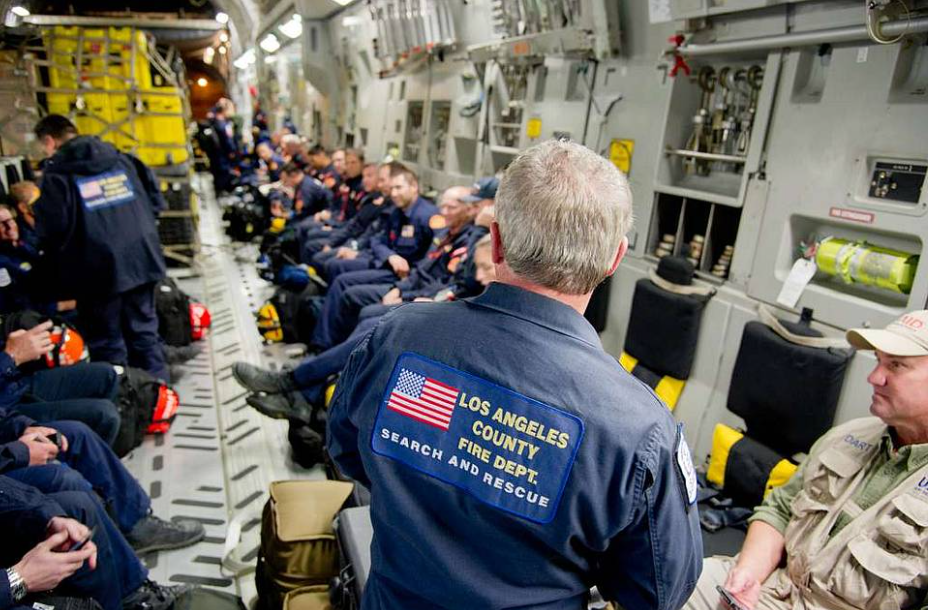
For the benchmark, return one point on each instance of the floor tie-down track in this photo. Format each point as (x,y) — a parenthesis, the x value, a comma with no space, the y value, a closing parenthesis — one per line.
(220,455)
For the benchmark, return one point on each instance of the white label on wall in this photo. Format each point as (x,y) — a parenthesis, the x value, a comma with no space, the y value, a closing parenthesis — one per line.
(659,11)
(862,54)
(799,277)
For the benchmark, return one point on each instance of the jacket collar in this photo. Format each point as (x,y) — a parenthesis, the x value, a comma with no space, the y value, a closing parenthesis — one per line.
(538,309)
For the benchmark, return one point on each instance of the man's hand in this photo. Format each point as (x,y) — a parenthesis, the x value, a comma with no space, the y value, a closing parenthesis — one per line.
(322,215)
(394,297)
(41,450)
(67,305)
(43,568)
(399,265)
(47,432)
(346,254)
(76,532)
(29,345)
(327,248)
(743,586)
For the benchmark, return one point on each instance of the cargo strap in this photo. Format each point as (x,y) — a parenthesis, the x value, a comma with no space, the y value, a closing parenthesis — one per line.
(232,562)
(766,316)
(691,290)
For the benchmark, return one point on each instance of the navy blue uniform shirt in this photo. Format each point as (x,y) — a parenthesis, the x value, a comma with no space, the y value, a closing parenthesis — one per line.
(435,271)
(512,462)
(407,233)
(312,197)
(96,220)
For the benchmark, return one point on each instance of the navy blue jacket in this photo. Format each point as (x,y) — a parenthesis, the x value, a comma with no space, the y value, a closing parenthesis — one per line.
(13,454)
(367,221)
(512,462)
(407,233)
(312,195)
(434,272)
(25,511)
(96,220)
(20,276)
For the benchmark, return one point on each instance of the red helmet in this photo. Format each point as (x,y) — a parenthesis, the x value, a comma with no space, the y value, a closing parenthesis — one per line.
(68,347)
(165,410)
(200,320)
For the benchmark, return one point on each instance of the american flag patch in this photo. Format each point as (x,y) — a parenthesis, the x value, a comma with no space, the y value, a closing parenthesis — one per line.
(90,189)
(423,399)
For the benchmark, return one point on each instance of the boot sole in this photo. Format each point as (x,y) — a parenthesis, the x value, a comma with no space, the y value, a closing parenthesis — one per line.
(252,388)
(274,414)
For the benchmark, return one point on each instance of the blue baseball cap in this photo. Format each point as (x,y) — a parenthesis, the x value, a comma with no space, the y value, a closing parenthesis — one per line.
(485,188)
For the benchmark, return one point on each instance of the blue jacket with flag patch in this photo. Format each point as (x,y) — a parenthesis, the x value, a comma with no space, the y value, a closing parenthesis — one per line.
(512,462)
(96,220)
(407,233)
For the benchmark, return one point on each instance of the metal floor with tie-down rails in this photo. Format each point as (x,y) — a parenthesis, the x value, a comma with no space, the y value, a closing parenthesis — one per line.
(220,455)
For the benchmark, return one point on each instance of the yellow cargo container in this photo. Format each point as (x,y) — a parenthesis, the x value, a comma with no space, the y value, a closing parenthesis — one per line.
(102,78)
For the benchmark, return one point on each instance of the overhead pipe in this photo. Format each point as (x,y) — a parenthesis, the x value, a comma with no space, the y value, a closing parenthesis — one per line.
(804,39)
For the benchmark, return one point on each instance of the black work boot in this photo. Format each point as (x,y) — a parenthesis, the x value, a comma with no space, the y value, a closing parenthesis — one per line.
(152,596)
(289,405)
(256,379)
(152,533)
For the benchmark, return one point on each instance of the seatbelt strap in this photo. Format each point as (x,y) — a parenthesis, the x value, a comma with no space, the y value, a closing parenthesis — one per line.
(693,289)
(766,316)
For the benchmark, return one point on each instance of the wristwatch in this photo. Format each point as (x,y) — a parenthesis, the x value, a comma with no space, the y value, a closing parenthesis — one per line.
(17,584)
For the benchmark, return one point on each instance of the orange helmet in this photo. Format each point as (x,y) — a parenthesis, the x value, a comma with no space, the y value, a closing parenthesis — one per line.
(68,347)
(200,320)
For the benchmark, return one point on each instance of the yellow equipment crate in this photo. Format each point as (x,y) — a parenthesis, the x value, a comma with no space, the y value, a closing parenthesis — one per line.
(103,79)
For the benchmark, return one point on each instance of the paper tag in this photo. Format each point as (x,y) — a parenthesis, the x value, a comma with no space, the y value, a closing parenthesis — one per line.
(862,55)
(802,272)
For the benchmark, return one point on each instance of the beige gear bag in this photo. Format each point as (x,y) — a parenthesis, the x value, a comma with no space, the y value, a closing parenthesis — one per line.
(298,546)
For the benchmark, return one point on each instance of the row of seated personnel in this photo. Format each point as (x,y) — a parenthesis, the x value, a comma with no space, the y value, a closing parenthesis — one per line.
(850,530)
(406,253)
(61,484)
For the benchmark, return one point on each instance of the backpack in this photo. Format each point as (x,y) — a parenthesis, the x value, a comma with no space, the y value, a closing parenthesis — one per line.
(298,546)
(145,405)
(173,308)
(290,315)
(132,413)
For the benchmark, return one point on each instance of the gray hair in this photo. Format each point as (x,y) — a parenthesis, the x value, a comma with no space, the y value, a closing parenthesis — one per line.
(562,212)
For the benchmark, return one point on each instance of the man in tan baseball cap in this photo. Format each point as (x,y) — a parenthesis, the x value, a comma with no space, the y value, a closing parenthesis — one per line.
(851,523)
(906,336)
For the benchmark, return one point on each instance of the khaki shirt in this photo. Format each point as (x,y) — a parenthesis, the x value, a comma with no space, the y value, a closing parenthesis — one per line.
(889,468)
(862,476)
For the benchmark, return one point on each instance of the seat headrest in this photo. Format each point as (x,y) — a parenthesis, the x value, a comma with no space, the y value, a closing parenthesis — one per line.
(676,269)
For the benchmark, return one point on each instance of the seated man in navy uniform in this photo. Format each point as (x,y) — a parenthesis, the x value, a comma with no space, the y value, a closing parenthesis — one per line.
(269,162)
(96,223)
(358,289)
(364,200)
(402,242)
(23,285)
(42,531)
(24,194)
(512,462)
(309,196)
